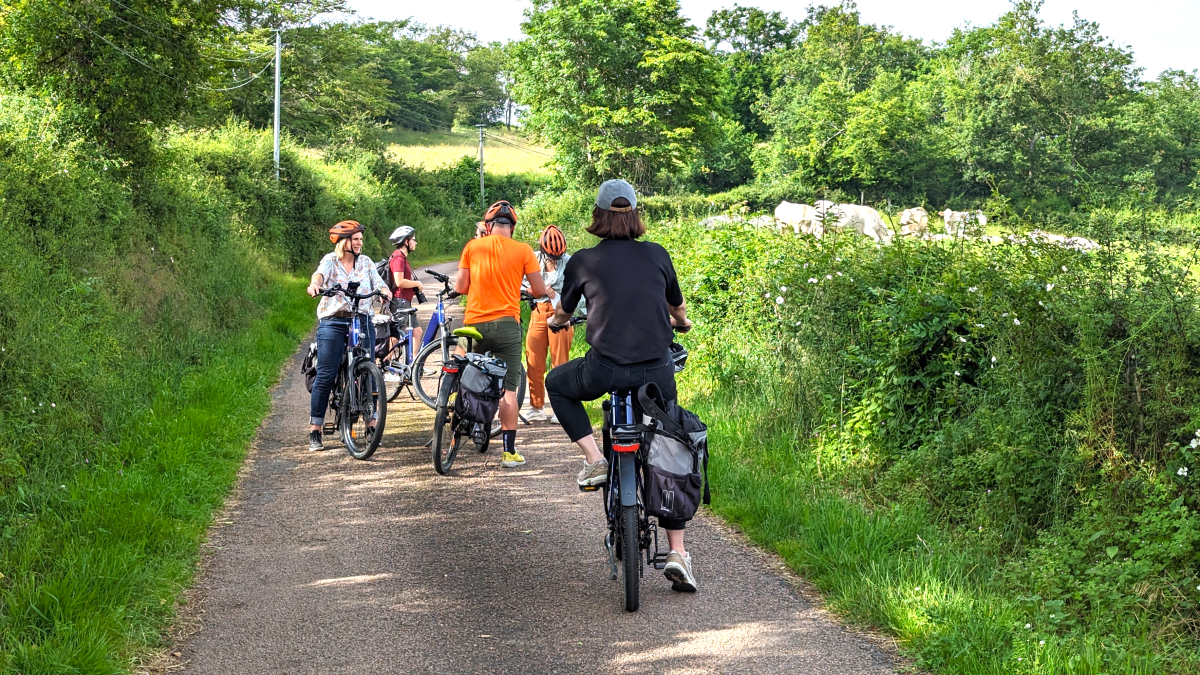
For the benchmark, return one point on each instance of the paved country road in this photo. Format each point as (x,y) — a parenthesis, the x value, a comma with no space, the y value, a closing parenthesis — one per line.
(325,564)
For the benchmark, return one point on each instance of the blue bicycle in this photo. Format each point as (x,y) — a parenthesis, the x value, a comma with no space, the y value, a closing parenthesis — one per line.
(426,370)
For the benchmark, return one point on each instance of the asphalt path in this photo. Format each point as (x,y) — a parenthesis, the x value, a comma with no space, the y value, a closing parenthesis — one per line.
(326,564)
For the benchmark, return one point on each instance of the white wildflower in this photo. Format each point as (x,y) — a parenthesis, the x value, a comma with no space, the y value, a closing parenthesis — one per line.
(1041,642)
(1182,471)
(979,325)
(1064,268)
(972,289)
(958,374)
(1049,287)
(779,300)
(812,280)
(962,339)
(1028,626)
(783,289)
(1195,442)
(839,274)
(829,276)
(1016,321)
(1004,314)
(1040,303)
(993,359)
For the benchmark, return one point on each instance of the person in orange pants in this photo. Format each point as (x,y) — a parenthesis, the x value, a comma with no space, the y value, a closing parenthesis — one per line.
(552,256)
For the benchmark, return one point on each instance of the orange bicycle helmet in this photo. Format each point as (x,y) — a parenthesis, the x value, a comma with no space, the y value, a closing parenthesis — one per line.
(501,211)
(346,228)
(552,242)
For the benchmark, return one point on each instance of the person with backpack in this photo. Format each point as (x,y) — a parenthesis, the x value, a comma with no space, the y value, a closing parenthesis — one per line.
(552,257)
(402,281)
(490,273)
(634,305)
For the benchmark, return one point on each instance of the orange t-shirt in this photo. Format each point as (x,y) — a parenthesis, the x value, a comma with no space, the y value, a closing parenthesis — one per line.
(497,265)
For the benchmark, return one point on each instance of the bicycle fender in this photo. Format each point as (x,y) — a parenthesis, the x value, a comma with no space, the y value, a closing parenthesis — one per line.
(627,479)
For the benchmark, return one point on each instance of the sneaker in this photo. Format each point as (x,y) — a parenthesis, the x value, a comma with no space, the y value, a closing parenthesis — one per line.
(511,459)
(553,418)
(593,475)
(314,441)
(679,571)
(535,414)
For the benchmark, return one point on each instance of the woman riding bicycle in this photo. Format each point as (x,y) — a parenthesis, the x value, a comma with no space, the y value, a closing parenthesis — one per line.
(345,265)
(633,301)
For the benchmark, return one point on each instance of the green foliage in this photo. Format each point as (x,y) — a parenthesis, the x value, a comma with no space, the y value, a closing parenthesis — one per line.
(1018,422)
(130,65)
(142,323)
(751,35)
(619,88)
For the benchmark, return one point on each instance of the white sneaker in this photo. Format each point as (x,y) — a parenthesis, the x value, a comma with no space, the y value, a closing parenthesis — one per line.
(553,418)
(679,571)
(535,414)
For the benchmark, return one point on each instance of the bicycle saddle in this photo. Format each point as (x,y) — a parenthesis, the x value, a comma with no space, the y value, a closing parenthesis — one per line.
(468,332)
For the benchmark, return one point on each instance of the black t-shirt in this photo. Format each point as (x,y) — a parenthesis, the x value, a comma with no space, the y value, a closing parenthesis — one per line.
(628,286)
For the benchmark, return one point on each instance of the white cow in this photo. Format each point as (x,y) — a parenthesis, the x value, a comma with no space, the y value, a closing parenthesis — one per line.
(964,223)
(800,217)
(714,222)
(914,221)
(863,219)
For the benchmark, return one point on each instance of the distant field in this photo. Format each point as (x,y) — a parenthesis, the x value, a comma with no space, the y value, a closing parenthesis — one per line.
(503,152)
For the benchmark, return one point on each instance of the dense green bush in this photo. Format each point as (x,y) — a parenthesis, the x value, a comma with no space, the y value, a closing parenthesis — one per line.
(1039,404)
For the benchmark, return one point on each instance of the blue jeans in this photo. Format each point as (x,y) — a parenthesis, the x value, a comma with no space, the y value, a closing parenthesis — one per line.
(331,345)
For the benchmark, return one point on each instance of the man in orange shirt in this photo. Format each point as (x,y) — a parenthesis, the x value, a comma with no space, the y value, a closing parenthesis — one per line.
(489,274)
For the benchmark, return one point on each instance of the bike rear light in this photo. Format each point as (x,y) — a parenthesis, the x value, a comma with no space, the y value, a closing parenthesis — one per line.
(623,447)
(449,368)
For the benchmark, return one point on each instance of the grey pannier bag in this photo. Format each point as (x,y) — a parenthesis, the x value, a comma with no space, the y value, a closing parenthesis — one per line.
(480,388)
(676,464)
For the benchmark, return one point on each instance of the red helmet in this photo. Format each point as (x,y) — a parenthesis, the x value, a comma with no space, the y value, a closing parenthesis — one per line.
(501,210)
(344,229)
(552,242)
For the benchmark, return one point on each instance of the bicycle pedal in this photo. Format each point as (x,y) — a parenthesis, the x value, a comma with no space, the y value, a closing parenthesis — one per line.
(589,488)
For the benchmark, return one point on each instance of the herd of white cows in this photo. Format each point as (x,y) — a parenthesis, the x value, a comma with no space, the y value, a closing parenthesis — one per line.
(814,219)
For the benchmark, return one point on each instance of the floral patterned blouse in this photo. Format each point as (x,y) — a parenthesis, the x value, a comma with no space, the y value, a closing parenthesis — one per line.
(335,274)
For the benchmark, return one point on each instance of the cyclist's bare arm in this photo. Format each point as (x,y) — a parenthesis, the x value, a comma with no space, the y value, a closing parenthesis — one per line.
(462,282)
(315,284)
(679,316)
(401,282)
(537,285)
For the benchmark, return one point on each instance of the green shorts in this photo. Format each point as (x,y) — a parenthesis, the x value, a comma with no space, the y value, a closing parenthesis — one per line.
(502,338)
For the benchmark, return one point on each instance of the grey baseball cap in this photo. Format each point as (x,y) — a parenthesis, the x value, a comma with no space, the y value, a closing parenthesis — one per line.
(613,189)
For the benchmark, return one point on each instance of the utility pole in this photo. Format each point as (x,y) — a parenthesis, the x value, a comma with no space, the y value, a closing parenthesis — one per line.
(278,59)
(482,199)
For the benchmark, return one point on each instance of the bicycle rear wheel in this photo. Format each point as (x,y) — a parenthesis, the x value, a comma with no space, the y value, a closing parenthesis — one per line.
(394,379)
(427,373)
(630,560)
(364,403)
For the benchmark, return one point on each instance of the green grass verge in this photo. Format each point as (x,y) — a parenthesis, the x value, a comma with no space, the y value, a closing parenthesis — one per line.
(92,574)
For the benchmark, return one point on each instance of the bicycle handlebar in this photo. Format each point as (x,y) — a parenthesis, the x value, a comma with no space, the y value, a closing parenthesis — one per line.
(576,320)
(338,290)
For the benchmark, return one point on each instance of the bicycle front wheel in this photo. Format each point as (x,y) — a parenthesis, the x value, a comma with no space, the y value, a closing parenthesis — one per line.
(447,437)
(365,410)
(631,559)
(427,373)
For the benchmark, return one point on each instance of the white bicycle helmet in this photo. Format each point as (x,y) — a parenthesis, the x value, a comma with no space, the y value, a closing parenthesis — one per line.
(403,232)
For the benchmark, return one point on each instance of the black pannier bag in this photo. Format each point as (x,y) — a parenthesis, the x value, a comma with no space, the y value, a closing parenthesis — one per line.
(676,465)
(480,387)
(309,367)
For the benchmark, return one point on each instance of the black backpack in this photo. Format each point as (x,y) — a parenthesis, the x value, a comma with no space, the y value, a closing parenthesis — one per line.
(384,268)
(480,388)
(676,467)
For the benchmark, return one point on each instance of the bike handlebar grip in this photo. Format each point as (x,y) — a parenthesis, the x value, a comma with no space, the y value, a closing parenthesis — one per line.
(453,294)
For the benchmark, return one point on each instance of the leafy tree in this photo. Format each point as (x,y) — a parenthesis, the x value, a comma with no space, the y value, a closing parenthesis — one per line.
(135,64)
(1170,112)
(846,114)
(619,87)
(744,38)
(1033,111)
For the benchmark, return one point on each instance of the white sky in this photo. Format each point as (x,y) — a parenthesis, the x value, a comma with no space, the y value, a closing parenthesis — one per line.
(1162,33)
